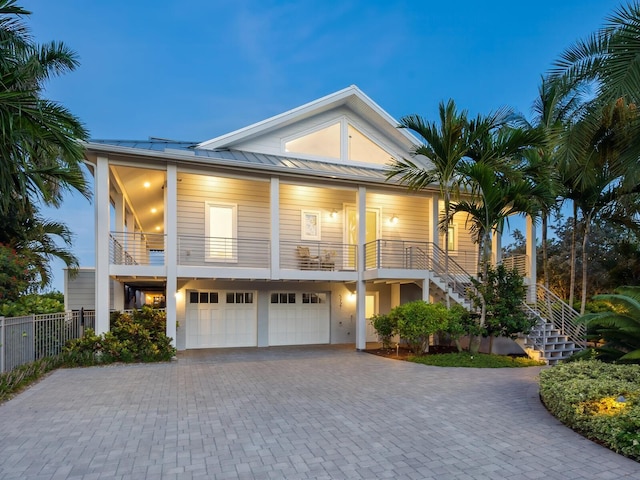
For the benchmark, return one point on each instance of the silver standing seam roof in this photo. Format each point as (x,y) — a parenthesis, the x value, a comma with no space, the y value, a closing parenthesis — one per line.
(228,157)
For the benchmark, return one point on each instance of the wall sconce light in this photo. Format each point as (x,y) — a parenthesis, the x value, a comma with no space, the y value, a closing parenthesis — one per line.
(334,213)
(394,219)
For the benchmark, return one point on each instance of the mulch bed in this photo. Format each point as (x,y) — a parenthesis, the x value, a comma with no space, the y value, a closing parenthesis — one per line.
(402,353)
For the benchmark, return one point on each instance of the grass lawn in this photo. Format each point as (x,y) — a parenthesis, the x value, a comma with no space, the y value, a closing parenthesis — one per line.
(480,360)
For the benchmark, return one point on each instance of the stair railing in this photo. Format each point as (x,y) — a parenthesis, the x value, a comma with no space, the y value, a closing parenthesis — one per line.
(553,309)
(458,279)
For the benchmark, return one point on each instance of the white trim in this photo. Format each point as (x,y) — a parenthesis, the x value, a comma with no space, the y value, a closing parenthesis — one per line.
(303,111)
(310,225)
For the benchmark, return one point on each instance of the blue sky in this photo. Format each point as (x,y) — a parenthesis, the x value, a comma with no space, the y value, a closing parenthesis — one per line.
(194,69)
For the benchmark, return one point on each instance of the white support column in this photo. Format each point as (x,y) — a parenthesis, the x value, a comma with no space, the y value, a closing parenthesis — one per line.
(361,287)
(496,248)
(117,287)
(531,259)
(102,204)
(275,228)
(118,202)
(434,218)
(425,288)
(395,295)
(171,249)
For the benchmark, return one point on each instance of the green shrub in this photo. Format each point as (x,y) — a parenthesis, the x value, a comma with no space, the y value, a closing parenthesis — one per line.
(386,327)
(133,338)
(599,400)
(417,321)
(461,323)
(31,304)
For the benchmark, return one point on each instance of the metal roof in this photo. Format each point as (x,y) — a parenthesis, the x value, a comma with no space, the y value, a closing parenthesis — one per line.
(226,157)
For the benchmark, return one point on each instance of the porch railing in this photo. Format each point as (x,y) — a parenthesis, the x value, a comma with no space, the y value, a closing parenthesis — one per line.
(401,254)
(136,248)
(32,337)
(519,262)
(306,255)
(218,251)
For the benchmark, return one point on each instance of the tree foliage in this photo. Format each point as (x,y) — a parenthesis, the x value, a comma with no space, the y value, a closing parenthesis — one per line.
(617,330)
(503,291)
(41,152)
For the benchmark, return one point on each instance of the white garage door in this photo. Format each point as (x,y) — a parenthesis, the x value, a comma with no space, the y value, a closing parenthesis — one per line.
(298,318)
(221,319)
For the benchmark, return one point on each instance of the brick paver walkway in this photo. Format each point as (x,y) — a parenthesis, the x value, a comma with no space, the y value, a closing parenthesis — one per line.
(292,413)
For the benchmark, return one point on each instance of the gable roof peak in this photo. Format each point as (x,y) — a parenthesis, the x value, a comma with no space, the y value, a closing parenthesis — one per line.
(328,102)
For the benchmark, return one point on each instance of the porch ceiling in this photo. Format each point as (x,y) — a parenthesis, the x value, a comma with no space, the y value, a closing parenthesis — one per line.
(143,189)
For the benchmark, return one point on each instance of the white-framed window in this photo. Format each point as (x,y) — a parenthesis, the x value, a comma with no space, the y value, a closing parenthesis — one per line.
(288,297)
(221,232)
(453,237)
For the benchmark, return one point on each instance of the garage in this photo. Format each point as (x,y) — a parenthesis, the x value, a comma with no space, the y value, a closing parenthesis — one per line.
(221,318)
(299,318)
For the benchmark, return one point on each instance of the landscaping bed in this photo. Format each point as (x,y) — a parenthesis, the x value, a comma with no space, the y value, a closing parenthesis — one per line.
(448,356)
(599,400)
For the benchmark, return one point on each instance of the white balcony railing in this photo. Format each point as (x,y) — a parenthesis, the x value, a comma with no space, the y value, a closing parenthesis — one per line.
(136,248)
(305,255)
(194,250)
(519,262)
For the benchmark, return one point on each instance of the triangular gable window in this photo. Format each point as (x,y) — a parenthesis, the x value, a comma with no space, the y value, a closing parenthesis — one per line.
(326,143)
(322,143)
(362,149)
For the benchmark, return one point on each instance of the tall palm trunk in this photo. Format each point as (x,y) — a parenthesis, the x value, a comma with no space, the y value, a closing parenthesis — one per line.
(545,252)
(447,202)
(585,242)
(572,261)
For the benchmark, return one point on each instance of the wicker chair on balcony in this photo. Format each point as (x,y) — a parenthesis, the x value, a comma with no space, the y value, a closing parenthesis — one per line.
(306,261)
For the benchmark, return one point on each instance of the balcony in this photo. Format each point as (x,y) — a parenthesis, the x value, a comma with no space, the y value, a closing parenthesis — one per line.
(518,262)
(194,250)
(327,256)
(146,249)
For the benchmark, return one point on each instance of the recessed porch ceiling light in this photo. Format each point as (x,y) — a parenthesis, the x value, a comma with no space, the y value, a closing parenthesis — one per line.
(154,210)
(158,229)
(146,184)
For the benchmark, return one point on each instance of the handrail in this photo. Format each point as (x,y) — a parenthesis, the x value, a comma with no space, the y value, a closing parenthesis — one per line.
(459,279)
(403,254)
(519,262)
(552,308)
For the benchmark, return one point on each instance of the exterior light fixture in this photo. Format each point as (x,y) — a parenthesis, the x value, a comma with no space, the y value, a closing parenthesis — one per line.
(146,184)
(157,229)
(394,219)
(334,213)
(154,210)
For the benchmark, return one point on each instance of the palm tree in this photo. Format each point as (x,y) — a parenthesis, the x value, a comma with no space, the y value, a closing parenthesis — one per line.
(34,238)
(446,145)
(555,105)
(41,153)
(497,189)
(608,58)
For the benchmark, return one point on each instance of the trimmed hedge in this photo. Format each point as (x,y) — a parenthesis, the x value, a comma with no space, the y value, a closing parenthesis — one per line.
(599,400)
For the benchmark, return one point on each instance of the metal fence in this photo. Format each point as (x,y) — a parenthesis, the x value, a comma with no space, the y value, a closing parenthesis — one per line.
(32,337)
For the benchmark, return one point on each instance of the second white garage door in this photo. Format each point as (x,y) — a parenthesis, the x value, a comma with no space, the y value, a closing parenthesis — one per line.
(221,319)
(298,318)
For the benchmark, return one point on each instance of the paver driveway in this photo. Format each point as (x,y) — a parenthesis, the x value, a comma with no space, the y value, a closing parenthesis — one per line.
(287,413)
